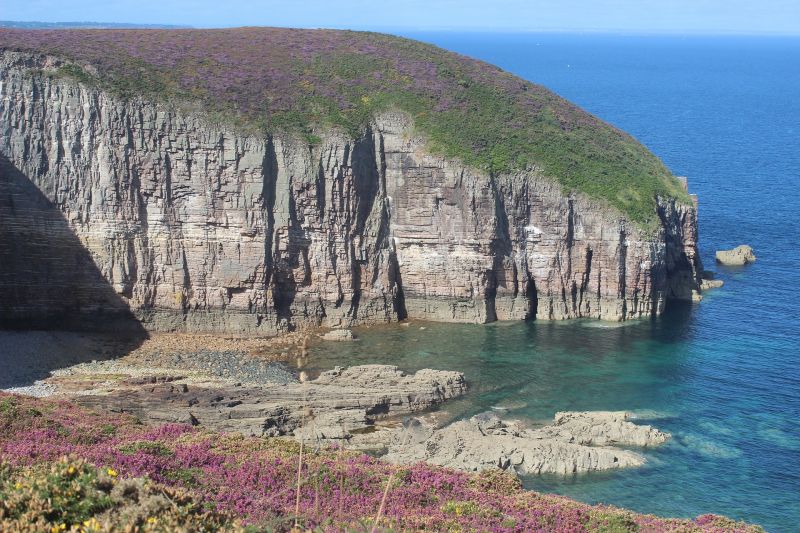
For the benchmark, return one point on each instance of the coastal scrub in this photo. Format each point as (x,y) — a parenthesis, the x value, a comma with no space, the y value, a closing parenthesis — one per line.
(62,465)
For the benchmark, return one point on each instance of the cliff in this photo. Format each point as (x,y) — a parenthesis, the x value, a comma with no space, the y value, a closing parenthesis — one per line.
(152,209)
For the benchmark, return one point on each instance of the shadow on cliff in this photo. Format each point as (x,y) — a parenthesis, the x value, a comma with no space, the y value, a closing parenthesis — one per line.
(48,282)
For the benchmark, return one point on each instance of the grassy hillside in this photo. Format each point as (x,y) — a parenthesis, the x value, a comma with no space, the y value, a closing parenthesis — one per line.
(301,80)
(65,468)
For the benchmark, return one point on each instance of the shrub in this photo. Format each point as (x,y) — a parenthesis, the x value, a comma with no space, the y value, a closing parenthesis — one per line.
(180,478)
(72,495)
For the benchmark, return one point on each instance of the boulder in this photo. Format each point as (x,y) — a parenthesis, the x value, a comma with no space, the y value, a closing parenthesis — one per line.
(741,255)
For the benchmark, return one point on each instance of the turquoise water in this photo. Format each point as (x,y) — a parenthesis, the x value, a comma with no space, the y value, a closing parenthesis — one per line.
(722,376)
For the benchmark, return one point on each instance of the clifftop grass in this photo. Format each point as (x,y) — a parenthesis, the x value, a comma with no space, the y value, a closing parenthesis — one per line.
(302,80)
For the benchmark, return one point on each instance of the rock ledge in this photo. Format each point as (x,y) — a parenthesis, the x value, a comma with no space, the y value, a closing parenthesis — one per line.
(339,401)
(575,442)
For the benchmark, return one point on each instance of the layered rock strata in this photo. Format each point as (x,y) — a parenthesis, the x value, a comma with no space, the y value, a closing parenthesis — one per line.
(336,403)
(574,443)
(198,227)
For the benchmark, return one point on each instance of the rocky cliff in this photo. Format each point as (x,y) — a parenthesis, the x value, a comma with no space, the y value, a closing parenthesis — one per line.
(195,226)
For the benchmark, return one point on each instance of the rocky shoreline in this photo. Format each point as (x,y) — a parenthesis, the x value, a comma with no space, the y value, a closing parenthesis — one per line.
(241,386)
(575,442)
(184,478)
(337,402)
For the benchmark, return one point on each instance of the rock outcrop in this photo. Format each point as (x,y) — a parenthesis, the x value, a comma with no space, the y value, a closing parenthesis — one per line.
(709,281)
(337,402)
(708,284)
(194,226)
(575,442)
(739,256)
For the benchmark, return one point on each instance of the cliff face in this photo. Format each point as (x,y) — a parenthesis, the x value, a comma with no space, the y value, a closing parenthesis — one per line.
(198,227)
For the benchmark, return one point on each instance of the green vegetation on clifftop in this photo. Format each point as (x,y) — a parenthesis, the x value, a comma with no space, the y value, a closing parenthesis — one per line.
(303,80)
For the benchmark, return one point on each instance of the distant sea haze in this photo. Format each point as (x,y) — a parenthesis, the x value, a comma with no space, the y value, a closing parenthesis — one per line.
(723,376)
(82,25)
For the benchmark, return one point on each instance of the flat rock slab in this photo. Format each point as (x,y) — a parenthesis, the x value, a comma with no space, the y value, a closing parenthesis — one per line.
(575,442)
(339,401)
(708,284)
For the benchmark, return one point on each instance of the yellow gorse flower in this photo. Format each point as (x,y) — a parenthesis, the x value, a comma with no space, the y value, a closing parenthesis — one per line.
(111,472)
(90,525)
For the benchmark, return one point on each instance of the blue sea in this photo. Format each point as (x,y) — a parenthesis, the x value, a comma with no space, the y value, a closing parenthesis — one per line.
(722,376)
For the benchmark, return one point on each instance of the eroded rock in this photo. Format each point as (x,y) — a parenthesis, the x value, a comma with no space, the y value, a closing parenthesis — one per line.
(709,281)
(575,442)
(338,402)
(708,284)
(603,428)
(741,255)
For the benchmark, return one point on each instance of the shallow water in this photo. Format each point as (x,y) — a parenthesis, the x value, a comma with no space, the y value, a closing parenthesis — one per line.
(722,376)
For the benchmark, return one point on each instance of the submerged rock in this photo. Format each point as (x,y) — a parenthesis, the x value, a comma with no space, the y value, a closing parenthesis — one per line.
(741,255)
(339,335)
(575,442)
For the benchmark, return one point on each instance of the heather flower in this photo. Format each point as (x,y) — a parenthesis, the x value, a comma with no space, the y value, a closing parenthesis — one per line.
(255,480)
(298,81)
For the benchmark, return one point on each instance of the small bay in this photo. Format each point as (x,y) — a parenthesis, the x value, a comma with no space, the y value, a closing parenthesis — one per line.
(723,375)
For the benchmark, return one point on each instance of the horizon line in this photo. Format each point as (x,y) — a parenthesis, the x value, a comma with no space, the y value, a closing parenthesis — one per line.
(404,29)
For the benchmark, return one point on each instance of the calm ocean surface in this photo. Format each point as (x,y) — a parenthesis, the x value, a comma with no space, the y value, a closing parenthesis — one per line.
(722,376)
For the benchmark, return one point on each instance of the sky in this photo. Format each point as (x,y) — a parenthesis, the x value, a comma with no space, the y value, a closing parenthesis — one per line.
(619,16)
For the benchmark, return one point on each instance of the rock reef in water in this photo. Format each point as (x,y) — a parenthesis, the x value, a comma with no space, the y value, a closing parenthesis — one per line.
(708,281)
(339,335)
(360,407)
(739,256)
(132,207)
(575,442)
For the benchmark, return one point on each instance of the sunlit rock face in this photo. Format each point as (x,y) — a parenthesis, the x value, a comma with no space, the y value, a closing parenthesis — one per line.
(195,226)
